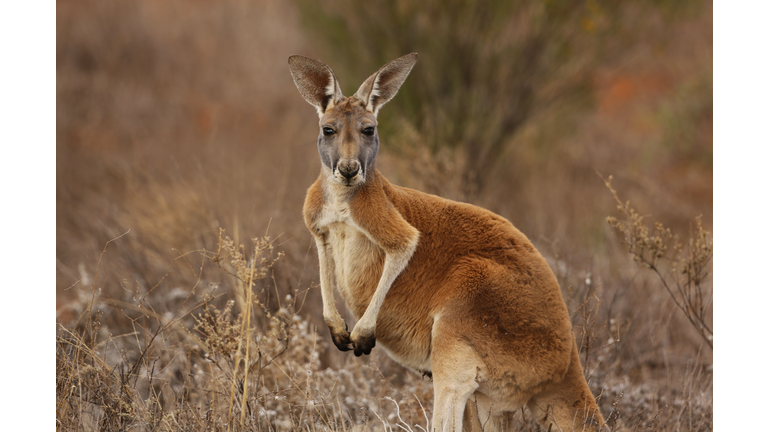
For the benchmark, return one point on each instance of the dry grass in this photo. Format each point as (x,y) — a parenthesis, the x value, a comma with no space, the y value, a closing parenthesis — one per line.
(215,366)
(237,364)
(177,118)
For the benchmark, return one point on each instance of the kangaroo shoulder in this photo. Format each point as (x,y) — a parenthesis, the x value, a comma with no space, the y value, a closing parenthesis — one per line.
(313,206)
(374,210)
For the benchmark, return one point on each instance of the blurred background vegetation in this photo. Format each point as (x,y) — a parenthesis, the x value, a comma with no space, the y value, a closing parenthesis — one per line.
(176,118)
(504,91)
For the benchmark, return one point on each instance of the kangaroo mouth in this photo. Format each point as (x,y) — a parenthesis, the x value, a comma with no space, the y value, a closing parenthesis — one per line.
(349,181)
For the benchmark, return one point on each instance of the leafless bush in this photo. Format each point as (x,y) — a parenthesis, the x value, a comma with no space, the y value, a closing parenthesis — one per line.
(683,270)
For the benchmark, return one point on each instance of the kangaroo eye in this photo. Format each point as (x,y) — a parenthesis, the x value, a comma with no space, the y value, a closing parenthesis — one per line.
(328,131)
(368,131)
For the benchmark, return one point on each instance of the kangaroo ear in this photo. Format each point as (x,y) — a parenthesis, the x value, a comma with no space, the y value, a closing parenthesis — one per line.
(382,86)
(315,81)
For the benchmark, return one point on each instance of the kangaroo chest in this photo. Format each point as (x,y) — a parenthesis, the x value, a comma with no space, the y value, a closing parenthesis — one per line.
(358,265)
(403,328)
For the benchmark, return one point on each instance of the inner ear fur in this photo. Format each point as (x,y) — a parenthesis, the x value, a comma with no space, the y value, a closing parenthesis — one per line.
(316,82)
(383,85)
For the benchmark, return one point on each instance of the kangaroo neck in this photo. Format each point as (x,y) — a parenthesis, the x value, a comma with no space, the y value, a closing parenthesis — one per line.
(335,192)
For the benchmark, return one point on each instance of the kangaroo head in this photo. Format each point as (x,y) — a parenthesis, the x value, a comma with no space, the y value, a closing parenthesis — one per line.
(349,140)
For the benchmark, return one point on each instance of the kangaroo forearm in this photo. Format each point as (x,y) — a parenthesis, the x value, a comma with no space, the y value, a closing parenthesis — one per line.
(327,269)
(394,264)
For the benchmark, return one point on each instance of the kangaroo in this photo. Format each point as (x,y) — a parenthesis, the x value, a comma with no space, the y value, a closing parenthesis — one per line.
(448,289)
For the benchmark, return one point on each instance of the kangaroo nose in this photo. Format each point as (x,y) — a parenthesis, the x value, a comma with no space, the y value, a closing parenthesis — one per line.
(349,168)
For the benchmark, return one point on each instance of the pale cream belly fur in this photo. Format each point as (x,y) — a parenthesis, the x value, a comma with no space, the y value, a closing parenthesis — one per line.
(359,265)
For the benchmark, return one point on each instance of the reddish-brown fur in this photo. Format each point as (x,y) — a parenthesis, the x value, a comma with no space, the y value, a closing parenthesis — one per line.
(470,299)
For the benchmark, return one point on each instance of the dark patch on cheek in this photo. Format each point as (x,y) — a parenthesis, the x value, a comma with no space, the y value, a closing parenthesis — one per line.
(327,153)
(368,156)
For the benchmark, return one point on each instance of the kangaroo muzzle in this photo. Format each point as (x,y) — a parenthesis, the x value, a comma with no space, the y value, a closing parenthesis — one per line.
(348,168)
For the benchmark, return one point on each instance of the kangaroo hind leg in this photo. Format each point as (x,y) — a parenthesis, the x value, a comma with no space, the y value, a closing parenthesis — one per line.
(569,404)
(455,372)
(480,416)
